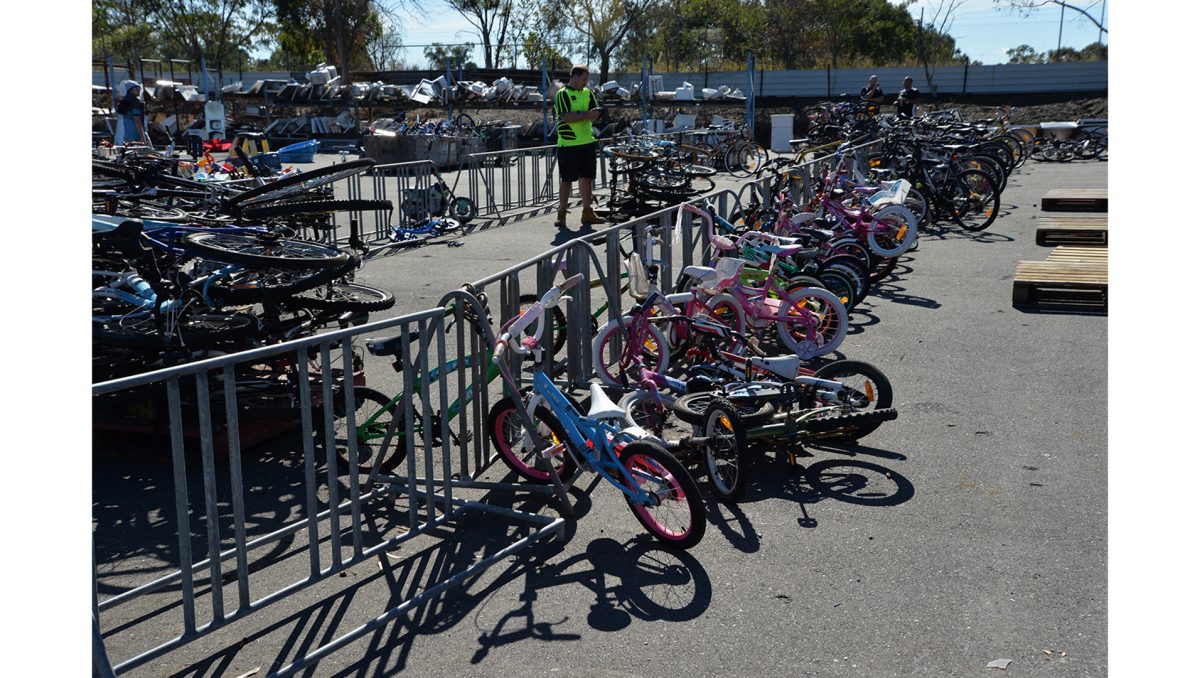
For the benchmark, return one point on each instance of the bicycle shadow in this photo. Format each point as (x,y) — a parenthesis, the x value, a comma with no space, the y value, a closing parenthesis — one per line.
(894,293)
(844,478)
(943,231)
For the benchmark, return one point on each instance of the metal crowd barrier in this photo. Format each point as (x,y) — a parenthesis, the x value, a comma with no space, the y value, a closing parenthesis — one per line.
(500,181)
(336,525)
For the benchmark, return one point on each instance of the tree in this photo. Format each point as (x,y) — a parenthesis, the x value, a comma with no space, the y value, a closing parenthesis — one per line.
(341,32)
(1026,7)
(604,23)
(1024,54)
(220,31)
(120,30)
(1097,51)
(934,44)
(437,54)
(490,19)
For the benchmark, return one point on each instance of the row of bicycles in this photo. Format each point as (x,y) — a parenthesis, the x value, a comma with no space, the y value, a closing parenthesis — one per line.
(728,363)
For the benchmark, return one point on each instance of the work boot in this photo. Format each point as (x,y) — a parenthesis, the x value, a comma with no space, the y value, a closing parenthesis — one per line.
(590,217)
(561,221)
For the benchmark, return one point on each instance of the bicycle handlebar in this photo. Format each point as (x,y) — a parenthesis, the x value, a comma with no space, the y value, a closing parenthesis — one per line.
(553,297)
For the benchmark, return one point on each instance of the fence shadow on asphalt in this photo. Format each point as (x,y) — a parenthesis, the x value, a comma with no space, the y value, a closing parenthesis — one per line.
(636,580)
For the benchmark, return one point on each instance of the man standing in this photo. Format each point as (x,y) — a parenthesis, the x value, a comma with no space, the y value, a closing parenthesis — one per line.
(575,109)
(907,98)
(872,92)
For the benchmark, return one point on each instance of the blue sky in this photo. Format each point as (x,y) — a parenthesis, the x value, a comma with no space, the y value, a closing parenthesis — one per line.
(981,30)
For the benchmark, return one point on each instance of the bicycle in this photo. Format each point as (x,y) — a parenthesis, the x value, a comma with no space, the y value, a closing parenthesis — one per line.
(658,489)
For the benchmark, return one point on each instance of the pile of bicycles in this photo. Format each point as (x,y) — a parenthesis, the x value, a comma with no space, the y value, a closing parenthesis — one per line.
(180,271)
(647,174)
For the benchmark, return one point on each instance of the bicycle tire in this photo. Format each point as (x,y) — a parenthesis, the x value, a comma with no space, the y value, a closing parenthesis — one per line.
(506,431)
(894,232)
(869,388)
(252,285)
(830,323)
(642,410)
(344,297)
(665,475)
(299,183)
(372,403)
(276,210)
(463,210)
(725,456)
(975,194)
(655,354)
(692,407)
(199,330)
(249,250)
(851,425)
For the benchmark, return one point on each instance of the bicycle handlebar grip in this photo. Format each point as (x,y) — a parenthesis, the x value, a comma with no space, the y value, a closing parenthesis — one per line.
(570,282)
(498,354)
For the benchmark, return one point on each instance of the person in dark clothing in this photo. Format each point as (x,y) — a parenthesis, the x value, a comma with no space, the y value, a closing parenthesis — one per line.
(872,92)
(131,114)
(906,101)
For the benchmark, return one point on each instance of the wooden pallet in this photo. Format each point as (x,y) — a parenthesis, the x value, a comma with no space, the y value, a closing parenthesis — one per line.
(1095,255)
(1090,229)
(1076,200)
(1062,282)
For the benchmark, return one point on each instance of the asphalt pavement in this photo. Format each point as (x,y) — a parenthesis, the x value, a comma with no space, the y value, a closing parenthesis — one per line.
(971,529)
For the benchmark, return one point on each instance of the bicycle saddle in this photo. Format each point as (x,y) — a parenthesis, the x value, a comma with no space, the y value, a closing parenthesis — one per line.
(602,406)
(392,346)
(784,366)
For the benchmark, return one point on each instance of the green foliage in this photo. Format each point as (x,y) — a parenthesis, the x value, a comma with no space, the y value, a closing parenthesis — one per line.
(437,53)
(1025,54)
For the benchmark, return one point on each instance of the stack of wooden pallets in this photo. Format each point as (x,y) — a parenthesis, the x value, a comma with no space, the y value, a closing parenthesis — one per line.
(1075,275)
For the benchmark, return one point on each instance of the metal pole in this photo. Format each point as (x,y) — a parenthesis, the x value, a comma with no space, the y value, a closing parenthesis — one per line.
(1061,15)
(750,92)
(645,92)
(1103,8)
(448,92)
(545,104)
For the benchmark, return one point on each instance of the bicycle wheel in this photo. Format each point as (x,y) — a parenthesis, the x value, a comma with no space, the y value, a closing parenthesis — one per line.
(345,296)
(299,183)
(251,285)
(750,157)
(839,283)
(608,350)
(893,231)
(263,251)
(313,208)
(463,210)
(198,330)
(725,450)
(372,417)
(515,444)
(555,333)
(849,425)
(675,514)
(976,202)
(866,387)
(811,323)
(853,268)
(693,407)
(642,410)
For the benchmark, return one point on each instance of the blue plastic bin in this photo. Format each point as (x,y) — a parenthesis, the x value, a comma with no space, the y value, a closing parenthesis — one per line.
(300,152)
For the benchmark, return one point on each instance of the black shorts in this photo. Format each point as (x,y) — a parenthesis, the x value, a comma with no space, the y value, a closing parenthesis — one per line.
(577,161)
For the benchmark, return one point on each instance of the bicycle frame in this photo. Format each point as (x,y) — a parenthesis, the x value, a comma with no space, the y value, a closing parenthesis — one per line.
(593,444)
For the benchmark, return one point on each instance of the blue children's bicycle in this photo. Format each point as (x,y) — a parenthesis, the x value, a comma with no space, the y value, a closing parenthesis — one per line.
(659,490)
